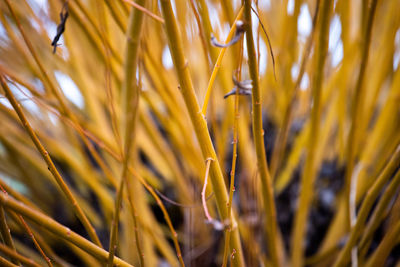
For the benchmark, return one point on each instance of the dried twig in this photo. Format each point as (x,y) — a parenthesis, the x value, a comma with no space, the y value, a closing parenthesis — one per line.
(269,41)
(61,27)
(215,223)
(238,34)
(245,87)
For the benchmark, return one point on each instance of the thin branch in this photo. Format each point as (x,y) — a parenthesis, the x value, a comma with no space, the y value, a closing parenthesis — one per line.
(6,233)
(353,142)
(13,254)
(186,206)
(165,213)
(269,41)
(52,168)
(28,230)
(218,64)
(145,11)
(60,230)
(284,131)
(210,220)
(234,156)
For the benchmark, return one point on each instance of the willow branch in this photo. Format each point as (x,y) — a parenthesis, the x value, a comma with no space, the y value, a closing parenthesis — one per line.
(199,122)
(258,135)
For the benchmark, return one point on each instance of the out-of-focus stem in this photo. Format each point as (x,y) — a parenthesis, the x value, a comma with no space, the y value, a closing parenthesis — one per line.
(165,213)
(379,214)
(309,171)
(277,153)
(14,255)
(130,103)
(366,206)
(390,239)
(357,107)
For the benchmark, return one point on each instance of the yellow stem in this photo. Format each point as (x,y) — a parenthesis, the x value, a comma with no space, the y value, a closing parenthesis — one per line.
(218,64)
(309,171)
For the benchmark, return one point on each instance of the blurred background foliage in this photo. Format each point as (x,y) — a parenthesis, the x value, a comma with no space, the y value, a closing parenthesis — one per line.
(347,200)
